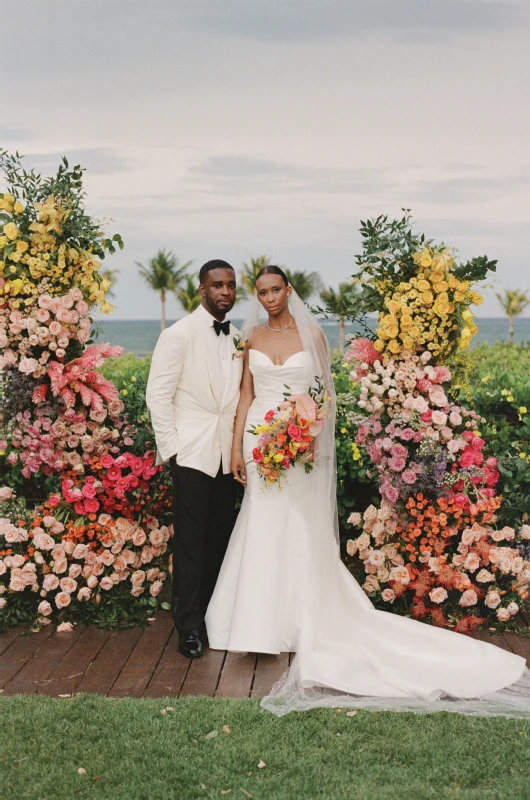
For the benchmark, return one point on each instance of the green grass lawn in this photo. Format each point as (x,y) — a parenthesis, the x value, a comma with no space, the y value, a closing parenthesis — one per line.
(131,750)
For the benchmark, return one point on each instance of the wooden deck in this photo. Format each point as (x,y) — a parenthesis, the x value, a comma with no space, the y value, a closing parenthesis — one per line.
(144,662)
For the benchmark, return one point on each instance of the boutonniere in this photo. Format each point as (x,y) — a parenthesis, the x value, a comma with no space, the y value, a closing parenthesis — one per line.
(239,345)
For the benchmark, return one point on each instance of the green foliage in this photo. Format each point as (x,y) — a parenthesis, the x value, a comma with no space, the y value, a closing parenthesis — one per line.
(247,276)
(189,295)
(79,229)
(499,390)
(162,272)
(355,488)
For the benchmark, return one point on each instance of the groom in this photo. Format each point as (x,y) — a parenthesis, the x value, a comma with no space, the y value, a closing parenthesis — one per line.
(192,394)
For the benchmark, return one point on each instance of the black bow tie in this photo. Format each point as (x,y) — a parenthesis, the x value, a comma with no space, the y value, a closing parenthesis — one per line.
(221,326)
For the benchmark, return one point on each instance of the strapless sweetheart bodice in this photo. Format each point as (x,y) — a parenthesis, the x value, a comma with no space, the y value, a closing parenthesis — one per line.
(271,380)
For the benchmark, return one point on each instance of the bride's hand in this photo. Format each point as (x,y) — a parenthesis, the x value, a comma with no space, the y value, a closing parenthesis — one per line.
(237,467)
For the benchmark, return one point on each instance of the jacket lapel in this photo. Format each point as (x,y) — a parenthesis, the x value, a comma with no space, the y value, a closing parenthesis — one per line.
(234,371)
(215,373)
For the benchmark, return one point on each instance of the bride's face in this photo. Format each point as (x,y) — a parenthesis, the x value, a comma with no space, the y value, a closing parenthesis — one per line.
(273,294)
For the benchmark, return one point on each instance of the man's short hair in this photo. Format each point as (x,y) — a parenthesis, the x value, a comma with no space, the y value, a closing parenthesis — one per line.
(215,263)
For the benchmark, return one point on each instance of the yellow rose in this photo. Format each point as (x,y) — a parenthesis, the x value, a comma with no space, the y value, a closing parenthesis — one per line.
(467,315)
(8,198)
(428,298)
(441,307)
(424,286)
(392,331)
(408,343)
(379,345)
(459,296)
(106,308)
(437,275)
(11,231)
(453,282)
(2,267)
(3,242)
(18,208)
(414,332)
(393,306)
(394,346)
(476,299)
(22,246)
(441,286)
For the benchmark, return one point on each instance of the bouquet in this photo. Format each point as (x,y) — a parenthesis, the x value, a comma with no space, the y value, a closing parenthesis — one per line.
(287,434)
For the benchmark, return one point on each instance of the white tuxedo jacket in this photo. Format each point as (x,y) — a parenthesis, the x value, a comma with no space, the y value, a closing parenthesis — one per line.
(192,407)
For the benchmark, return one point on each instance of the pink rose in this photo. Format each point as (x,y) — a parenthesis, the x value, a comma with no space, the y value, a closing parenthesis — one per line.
(388,595)
(469,598)
(408,476)
(138,577)
(472,562)
(84,594)
(503,615)
(92,582)
(156,588)
(68,585)
(139,537)
(65,627)
(355,518)
(396,464)
(6,493)
(438,594)
(156,537)
(44,608)
(106,583)
(50,582)
(492,600)
(62,599)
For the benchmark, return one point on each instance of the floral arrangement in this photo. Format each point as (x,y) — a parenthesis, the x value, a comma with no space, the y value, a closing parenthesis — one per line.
(92,544)
(287,435)
(239,347)
(432,548)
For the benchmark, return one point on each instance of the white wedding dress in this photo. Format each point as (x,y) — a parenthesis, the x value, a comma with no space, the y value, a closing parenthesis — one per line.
(283,588)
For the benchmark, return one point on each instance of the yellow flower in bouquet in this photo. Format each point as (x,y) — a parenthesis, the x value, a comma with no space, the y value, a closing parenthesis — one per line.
(18,208)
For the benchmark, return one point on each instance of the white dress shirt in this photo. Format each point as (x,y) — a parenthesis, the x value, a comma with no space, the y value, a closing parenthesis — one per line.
(223,343)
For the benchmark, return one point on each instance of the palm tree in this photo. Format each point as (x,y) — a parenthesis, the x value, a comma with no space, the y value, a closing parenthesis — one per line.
(335,303)
(248,275)
(163,274)
(110,275)
(189,295)
(305,283)
(513,302)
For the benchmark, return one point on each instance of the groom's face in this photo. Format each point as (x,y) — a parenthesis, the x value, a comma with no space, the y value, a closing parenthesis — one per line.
(219,291)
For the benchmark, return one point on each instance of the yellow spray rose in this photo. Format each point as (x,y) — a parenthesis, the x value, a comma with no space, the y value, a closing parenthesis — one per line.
(427,298)
(11,231)
(18,208)
(423,286)
(22,246)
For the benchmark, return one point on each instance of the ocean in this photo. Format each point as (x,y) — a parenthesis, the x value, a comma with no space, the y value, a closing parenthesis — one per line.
(140,336)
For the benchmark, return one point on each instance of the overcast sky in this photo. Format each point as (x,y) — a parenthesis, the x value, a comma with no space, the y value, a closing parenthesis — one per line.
(230,128)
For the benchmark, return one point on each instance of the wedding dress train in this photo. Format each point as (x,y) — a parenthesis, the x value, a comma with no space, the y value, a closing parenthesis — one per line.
(283,588)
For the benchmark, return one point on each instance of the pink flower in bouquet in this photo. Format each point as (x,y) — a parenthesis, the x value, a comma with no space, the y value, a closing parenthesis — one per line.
(503,615)
(409,477)
(294,432)
(6,493)
(269,416)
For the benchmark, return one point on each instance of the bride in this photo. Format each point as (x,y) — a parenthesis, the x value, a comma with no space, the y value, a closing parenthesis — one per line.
(282,585)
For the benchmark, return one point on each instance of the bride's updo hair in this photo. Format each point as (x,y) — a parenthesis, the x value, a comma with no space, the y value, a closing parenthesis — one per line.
(271,269)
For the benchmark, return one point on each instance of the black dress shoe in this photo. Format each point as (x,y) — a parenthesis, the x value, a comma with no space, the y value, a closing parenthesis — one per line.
(190,644)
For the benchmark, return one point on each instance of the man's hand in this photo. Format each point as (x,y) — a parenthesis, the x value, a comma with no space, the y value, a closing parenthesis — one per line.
(237,468)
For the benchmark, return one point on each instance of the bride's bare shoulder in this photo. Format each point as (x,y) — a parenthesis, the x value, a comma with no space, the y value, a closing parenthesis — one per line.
(256,334)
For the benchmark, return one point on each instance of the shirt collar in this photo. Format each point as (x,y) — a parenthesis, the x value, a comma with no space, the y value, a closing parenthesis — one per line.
(208,318)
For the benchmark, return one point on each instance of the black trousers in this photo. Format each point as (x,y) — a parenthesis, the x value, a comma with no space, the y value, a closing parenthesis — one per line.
(204,514)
